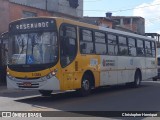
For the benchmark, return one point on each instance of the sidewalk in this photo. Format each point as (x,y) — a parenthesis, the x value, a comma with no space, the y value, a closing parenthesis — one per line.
(3,89)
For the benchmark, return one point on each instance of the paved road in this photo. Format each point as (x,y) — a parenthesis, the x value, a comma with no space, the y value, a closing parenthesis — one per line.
(117,98)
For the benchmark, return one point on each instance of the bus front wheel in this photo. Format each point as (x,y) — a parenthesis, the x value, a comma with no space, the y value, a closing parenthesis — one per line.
(85,86)
(45,92)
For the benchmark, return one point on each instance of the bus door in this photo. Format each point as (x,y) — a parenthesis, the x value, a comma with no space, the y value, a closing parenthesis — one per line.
(68,50)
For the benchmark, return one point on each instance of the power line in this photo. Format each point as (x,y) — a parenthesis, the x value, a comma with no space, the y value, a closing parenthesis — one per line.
(92,1)
(124,9)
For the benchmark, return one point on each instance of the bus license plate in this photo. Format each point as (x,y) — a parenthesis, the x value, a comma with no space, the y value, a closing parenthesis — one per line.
(27,84)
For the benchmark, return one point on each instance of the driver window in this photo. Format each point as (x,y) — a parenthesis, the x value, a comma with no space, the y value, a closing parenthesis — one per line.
(68,44)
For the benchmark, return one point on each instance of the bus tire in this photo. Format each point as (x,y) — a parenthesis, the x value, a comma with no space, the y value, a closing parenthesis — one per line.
(154,79)
(45,92)
(137,79)
(85,86)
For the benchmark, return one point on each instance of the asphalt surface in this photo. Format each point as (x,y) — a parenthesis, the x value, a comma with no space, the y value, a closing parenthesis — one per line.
(115,98)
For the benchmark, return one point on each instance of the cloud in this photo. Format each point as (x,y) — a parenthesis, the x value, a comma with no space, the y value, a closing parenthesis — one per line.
(149,11)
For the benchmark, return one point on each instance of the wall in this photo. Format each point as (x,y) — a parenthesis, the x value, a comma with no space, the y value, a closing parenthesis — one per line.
(4,15)
(106,23)
(16,11)
(59,6)
(100,21)
(135,24)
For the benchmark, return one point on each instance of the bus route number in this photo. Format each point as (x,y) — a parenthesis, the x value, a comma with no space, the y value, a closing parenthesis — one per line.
(36,74)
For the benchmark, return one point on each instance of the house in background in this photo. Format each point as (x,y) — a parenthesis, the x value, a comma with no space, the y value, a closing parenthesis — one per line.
(11,10)
(107,21)
(132,23)
(124,23)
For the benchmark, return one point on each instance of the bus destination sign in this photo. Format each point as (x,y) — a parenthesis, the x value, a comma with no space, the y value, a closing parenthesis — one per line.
(33,24)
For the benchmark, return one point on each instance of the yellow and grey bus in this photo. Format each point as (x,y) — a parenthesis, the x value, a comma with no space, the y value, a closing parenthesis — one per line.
(57,54)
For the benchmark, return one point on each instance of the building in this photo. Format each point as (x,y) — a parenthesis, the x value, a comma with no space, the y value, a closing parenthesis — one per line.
(132,23)
(11,10)
(67,8)
(123,23)
(107,21)
(100,21)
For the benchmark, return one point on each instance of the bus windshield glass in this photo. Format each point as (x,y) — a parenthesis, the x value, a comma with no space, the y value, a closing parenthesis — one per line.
(33,48)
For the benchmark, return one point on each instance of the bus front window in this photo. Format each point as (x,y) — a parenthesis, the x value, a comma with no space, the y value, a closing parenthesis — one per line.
(33,48)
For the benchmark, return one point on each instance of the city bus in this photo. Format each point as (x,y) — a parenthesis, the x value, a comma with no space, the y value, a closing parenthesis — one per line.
(57,54)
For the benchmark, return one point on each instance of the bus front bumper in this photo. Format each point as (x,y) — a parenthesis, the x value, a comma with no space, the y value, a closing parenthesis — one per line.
(43,83)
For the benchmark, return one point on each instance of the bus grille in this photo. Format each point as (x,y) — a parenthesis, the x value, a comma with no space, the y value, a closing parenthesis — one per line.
(32,85)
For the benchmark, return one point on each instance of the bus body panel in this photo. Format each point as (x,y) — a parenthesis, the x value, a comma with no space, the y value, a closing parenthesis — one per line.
(108,71)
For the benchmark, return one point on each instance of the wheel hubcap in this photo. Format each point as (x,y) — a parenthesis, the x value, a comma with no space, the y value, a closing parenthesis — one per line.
(86,84)
(138,80)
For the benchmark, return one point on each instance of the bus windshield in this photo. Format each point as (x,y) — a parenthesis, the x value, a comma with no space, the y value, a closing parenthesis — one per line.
(33,48)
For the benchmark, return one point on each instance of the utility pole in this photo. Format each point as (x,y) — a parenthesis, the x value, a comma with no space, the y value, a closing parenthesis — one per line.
(46,5)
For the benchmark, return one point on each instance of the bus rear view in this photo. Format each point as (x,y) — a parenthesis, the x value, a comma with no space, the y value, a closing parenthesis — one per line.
(33,54)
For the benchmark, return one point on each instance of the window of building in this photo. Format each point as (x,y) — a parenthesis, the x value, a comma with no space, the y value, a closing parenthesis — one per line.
(73,3)
(26,14)
(127,21)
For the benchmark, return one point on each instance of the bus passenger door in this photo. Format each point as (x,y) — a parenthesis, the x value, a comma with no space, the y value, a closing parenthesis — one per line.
(68,50)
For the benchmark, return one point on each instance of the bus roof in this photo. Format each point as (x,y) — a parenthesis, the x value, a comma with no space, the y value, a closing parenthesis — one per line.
(82,24)
(106,29)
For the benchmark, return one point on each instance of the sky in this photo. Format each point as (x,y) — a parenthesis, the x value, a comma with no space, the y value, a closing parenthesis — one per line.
(148,9)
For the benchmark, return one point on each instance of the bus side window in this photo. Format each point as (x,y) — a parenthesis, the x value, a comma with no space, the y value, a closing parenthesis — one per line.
(140,48)
(153,49)
(86,42)
(112,44)
(123,47)
(132,47)
(68,47)
(148,48)
(100,43)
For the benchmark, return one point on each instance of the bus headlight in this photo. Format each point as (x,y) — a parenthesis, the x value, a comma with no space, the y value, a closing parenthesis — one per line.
(53,73)
(50,75)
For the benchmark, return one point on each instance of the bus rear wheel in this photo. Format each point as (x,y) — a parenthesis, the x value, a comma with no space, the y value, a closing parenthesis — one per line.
(137,79)
(45,92)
